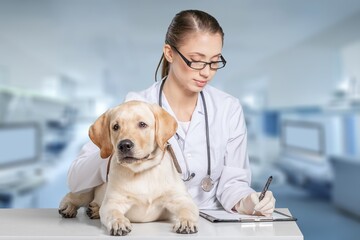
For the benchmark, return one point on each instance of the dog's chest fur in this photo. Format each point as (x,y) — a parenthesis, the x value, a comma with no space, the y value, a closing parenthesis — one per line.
(146,189)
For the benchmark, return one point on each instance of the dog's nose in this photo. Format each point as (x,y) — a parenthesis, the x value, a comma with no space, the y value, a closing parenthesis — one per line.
(125,145)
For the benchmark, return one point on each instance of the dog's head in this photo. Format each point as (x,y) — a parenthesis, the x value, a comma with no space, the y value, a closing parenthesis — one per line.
(134,132)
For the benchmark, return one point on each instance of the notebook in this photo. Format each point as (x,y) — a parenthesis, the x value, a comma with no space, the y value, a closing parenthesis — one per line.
(224,216)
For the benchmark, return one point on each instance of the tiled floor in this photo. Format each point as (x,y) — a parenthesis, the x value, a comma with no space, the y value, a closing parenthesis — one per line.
(317,218)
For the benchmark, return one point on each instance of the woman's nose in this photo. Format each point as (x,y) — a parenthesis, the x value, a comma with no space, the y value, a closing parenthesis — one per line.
(206,71)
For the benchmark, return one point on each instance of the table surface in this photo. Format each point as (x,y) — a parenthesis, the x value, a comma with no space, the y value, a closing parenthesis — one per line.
(48,224)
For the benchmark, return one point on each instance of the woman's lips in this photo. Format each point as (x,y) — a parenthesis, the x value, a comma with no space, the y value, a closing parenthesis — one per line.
(200,83)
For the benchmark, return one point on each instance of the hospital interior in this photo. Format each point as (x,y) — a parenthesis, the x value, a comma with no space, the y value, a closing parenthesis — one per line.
(294,66)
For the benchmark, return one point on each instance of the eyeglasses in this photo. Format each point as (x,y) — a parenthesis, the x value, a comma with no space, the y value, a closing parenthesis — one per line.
(199,65)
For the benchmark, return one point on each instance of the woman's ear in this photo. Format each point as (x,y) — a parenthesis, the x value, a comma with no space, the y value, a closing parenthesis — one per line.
(168,53)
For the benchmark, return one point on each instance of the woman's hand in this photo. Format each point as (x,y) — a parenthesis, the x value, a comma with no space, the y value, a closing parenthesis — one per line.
(251,205)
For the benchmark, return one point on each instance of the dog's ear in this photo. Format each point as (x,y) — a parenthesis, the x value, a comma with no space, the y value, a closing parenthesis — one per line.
(99,133)
(165,125)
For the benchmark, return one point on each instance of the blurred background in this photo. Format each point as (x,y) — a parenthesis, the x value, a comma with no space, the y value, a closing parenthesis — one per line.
(294,65)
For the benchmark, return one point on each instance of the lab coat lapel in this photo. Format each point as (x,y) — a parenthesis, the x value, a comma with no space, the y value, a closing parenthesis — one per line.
(166,105)
(198,115)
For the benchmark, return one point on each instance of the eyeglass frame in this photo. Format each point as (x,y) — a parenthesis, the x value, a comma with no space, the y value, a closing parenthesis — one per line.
(188,62)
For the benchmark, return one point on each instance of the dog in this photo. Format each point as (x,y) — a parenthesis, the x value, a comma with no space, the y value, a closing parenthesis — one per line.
(144,183)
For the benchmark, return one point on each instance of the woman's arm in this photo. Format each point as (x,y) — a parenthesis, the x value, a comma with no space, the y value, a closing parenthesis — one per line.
(235,179)
(88,170)
(234,191)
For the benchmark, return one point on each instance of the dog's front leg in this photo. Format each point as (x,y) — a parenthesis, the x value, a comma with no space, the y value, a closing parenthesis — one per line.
(73,201)
(186,214)
(112,215)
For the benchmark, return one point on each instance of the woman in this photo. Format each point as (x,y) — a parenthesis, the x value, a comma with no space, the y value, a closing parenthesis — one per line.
(211,141)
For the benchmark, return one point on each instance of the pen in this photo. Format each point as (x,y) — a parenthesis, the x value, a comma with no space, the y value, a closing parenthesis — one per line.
(262,195)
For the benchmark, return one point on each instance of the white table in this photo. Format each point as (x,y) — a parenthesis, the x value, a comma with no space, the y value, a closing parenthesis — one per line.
(48,224)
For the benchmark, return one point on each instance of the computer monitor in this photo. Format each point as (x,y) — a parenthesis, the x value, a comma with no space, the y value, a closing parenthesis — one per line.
(303,138)
(20,144)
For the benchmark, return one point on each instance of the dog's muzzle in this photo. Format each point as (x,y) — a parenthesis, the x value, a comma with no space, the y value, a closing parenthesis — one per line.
(125,146)
(125,153)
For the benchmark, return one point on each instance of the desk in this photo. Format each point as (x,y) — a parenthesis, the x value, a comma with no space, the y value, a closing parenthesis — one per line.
(48,224)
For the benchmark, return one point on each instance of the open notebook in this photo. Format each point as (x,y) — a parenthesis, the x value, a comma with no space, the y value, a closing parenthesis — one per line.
(224,216)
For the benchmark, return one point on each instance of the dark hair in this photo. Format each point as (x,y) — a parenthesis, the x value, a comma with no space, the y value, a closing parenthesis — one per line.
(184,23)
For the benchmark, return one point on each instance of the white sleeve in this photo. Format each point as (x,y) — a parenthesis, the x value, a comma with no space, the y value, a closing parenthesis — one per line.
(235,178)
(88,170)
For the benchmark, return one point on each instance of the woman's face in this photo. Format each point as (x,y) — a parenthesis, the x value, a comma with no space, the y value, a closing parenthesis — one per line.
(200,46)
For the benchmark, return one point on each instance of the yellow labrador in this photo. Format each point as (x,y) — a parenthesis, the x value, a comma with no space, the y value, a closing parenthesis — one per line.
(143,182)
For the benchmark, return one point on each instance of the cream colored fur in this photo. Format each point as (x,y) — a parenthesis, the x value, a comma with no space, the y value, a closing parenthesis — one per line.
(143,184)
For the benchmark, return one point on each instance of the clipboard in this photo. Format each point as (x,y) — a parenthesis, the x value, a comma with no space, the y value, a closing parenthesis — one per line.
(216,216)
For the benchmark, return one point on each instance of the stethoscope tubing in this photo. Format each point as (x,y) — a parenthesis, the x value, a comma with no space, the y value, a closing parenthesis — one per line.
(190,176)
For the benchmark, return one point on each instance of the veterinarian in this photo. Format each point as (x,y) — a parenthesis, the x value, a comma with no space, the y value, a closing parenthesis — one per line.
(211,141)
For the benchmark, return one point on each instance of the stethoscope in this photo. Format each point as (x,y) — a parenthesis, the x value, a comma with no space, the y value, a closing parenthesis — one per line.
(206,183)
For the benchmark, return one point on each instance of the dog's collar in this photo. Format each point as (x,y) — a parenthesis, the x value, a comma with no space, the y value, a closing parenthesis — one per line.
(108,168)
(172,154)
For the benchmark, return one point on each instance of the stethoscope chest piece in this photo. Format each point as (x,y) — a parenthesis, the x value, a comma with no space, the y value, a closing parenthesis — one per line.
(207,184)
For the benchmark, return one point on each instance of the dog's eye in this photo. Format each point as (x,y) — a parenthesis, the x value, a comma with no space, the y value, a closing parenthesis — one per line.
(142,125)
(116,127)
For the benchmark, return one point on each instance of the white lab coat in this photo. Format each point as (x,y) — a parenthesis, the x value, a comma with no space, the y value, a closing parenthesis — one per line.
(228,148)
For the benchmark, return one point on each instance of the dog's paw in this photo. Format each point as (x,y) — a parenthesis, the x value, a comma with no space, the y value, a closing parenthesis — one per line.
(185,226)
(68,210)
(93,211)
(120,227)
